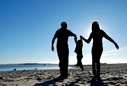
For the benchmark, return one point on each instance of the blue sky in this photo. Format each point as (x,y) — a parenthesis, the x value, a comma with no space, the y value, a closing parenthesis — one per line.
(28,26)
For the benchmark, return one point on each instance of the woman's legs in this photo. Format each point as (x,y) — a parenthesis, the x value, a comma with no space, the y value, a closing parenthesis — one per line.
(98,70)
(96,55)
(93,67)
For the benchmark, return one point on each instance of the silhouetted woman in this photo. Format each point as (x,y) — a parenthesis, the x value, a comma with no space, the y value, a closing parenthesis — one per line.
(97,34)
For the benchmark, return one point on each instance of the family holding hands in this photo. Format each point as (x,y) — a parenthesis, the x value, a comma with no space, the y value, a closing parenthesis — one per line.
(97,34)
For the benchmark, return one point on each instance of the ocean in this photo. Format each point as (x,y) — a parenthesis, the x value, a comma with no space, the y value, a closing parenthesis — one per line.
(29,67)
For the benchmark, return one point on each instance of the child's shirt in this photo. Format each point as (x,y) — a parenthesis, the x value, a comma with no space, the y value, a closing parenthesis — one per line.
(78,48)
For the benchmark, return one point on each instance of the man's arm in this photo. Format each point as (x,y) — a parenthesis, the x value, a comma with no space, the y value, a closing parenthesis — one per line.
(53,40)
(72,34)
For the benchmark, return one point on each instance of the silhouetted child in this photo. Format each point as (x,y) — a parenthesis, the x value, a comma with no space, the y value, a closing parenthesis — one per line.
(78,50)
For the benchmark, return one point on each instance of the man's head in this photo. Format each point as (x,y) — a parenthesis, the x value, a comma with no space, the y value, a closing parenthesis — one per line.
(64,25)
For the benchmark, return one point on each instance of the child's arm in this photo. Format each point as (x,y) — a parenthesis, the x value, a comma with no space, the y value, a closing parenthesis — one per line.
(75,40)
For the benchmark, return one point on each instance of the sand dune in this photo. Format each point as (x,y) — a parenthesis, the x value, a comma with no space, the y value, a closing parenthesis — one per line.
(111,75)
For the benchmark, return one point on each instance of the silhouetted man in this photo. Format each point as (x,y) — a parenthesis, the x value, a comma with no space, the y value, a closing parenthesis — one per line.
(62,35)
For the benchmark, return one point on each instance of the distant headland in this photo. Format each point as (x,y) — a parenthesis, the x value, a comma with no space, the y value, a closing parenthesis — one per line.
(30,64)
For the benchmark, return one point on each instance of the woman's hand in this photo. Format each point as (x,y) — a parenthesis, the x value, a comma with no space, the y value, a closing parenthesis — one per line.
(117,47)
(81,37)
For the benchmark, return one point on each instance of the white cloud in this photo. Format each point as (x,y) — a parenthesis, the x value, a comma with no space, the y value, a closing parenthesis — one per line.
(115,56)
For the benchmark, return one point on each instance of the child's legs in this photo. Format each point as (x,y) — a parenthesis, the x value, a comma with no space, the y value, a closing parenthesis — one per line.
(81,65)
(79,57)
(77,61)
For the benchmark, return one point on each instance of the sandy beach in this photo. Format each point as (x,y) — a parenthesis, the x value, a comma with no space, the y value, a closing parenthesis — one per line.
(111,75)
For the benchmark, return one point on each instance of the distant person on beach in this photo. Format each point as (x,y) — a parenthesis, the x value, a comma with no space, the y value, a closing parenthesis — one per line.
(97,34)
(78,51)
(62,35)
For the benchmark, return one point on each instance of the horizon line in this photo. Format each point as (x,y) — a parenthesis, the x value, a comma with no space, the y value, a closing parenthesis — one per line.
(50,63)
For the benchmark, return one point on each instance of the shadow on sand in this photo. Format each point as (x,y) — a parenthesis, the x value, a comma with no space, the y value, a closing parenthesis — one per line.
(110,81)
(47,83)
(97,83)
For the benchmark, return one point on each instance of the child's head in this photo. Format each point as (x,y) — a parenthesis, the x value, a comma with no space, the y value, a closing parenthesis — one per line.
(80,41)
(80,38)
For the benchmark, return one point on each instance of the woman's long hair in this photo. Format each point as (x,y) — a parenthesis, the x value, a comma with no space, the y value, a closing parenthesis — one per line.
(95,26)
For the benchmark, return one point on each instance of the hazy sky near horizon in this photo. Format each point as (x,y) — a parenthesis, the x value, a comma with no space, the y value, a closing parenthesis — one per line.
(28,26)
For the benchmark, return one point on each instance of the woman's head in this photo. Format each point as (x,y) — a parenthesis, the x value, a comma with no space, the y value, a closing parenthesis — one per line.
(95,26)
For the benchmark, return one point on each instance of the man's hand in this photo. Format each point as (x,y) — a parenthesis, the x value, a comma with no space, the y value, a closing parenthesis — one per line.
(52,48)
(75,38)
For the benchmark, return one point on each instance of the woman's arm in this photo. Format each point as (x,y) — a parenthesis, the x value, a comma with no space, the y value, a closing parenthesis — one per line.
(111,40)
(87,40)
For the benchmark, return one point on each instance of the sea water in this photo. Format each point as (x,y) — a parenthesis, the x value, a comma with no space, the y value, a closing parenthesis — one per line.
(29,67)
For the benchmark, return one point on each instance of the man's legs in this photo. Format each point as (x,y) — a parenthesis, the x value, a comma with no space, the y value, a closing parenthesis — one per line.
(59,52)
(63,61)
